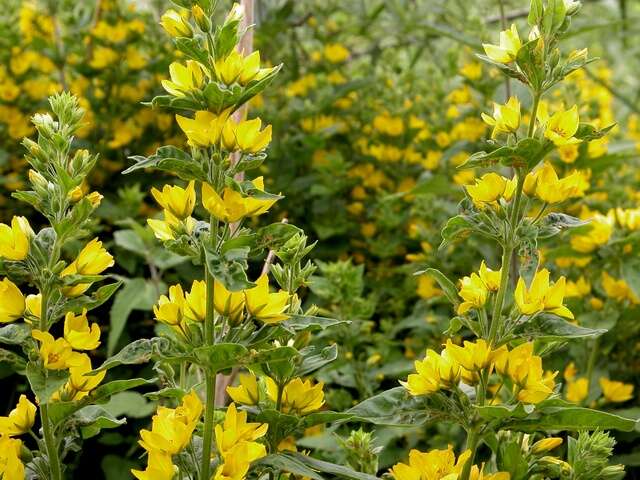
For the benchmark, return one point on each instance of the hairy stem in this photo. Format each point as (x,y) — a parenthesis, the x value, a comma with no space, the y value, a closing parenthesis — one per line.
(472,444)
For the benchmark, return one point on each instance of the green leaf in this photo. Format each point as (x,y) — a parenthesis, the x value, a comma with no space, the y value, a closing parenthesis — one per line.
(324,416)
(275,235)
(547,327)
(286,463)
(446,285)
(331,468)
(554,223)
(229,267)
(303,323)
(526,153)
(100,296)
(15,361)
(170,159)
(278,363)
(192,49)
(137,352)
(502,412)
(393,407)
(44,382)
(314,357)
(15,333)
(130,404)
(531,61)
(588,132)
(221,356)
(457,228)
(572,418)
(92,418)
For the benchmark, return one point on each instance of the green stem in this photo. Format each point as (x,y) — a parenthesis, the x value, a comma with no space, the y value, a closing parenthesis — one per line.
(47,430)
(592,361)
(207,437)
(534,113)
(507,250)
(472,444)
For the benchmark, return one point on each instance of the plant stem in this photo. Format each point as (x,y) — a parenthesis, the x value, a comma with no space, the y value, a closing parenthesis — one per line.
(592,361)
(472,444)
(49,438)
(209,414)
(507,250)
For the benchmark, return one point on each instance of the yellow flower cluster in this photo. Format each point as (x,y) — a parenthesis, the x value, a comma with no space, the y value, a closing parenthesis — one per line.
(19,421)
(171,430)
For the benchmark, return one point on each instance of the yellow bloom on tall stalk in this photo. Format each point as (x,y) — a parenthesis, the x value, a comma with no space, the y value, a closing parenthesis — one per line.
(487,189)
(549,188)
(614,391)
(618,289)
(233,206)
(92,260)
(20,419)
(11,467)
(175,24)
(473,356)
(267,307)
(506,118)
(205,129)
(171,429)
(433,373)
(473,291)
(159,467)
(78,333)
(247,393)
(236,429)
(195,305)
(228,304)
(170,309)
(237,68)
(525,370)
(562,126)
(577,390)
(80,384)
(179,201)
(168,228)
(246,136)
(542,295)
(238,459)
(54,352)
(14,239)
(432,465)
(298,397)
(12,302)
(599,233)
(184,78)
(508,48)
(490,278)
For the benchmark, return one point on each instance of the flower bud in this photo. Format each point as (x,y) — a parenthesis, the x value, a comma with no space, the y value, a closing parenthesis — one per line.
(37,180)
(546,444)
(175,25)
(202,20)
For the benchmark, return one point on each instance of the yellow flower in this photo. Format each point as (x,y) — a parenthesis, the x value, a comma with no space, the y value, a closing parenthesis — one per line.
(298,397)
(20,419)
(78,333)
(174,24)
(549,188)
(246,136)
(236,429)
(488,188)
(474,356)
(267,307)
(195,305)
(618,289)
(525,370)
(247,393)
(490,278)
(232,206)
(159,467)
(542,295)
(184,78)
(546,444)
(579,288)
(577,390)
(205,129)
(614,391)
(471,70)
(170,310)
(473,291)
(103,57)
(92,260)
(168,228)
(508,48)
(336,52)
(11,467)
(228,304)
(54,352)
(562,126)
(506,118)
(179,201)
(238,459)
(171,429)
(14,239)
(79,383)
(236,68)
(427,287)
(12,303)
(432,465)
(600,231)
(432,374)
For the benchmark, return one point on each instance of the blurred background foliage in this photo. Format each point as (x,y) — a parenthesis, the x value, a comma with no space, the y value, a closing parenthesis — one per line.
(378,104)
